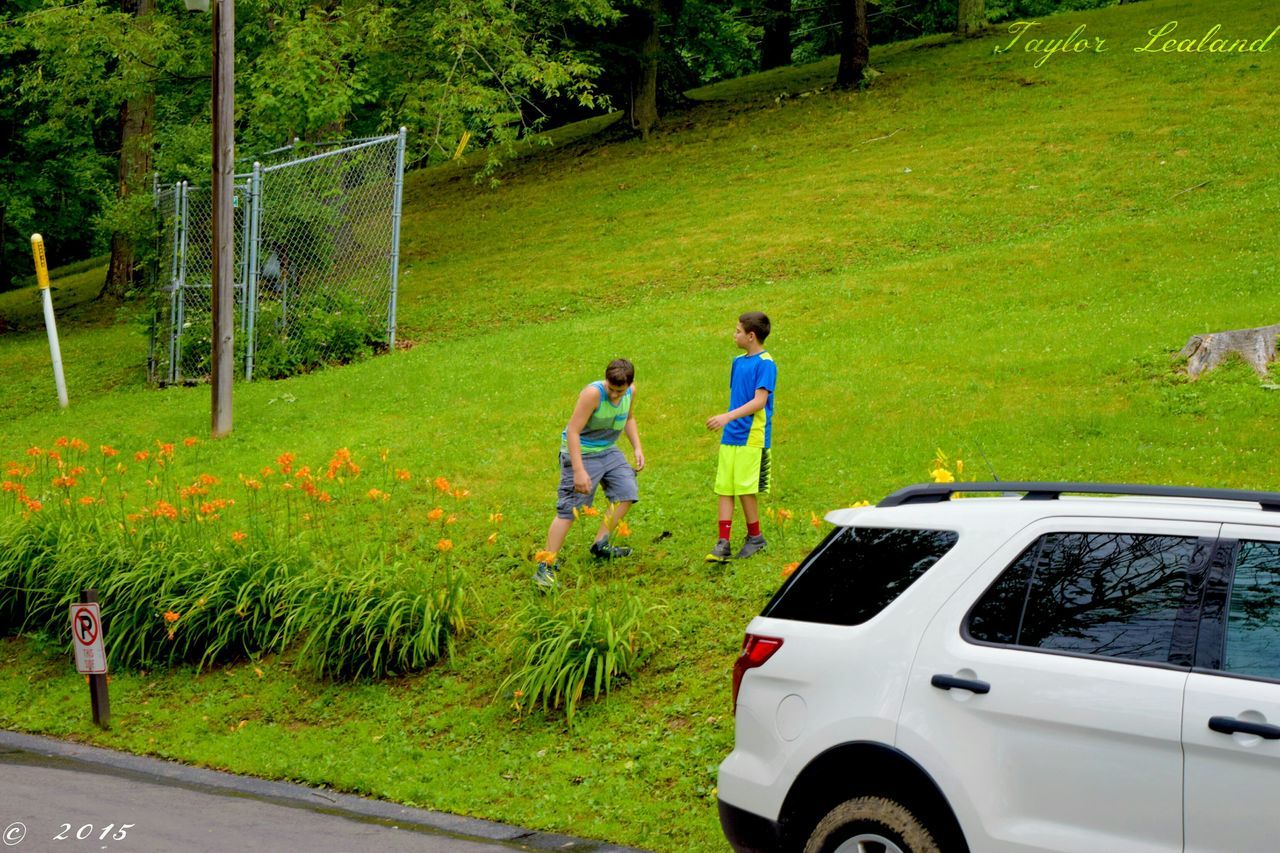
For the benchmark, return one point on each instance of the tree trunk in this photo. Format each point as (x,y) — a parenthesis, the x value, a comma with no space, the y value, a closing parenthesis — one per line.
(644,106)
(775,49)
(855,44)
(137,118)
(1256,346)
(972,18)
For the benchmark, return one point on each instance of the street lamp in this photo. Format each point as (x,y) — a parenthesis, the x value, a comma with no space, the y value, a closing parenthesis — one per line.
(223,109)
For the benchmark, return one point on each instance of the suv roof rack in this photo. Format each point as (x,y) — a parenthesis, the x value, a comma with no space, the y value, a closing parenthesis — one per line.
(923,493)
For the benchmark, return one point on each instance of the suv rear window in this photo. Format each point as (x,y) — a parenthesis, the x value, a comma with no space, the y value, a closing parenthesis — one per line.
(856,572)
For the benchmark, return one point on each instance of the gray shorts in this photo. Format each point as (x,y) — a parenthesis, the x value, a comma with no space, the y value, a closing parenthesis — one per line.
(610,468)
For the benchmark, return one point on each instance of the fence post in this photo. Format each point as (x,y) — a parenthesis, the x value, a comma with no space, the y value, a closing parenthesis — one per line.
(173,281)
(181,288)
(395,239)
(251,280)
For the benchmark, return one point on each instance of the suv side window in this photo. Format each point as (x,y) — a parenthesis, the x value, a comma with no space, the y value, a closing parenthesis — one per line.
(1114,595)
(856,572)
(1253,615)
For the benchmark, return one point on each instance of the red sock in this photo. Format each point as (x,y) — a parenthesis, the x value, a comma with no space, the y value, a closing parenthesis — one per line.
(725,527)
(753,528)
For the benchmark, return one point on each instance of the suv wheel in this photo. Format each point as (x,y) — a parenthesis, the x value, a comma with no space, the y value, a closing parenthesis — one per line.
(871,825)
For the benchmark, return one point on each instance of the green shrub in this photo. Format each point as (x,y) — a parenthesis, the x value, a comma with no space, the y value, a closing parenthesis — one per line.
(163,604)
(564,650)
(379,622)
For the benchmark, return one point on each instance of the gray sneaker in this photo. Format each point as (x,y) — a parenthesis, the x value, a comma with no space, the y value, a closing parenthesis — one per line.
(720,553)
(545,576)
(752,545)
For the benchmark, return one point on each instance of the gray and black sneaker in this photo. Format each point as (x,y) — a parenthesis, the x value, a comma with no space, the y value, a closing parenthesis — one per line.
(752,545)
(602,550)
(545,576)
(721,553)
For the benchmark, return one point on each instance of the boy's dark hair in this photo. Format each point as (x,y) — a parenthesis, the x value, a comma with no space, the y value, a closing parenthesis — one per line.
(755,321)
(620,372)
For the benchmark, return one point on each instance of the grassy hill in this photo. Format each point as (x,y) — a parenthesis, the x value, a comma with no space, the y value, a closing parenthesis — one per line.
(973,253)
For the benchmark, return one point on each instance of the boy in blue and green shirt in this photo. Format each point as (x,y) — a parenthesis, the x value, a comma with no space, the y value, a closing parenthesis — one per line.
(747,435)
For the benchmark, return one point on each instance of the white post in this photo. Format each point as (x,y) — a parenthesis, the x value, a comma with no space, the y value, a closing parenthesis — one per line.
(55,352)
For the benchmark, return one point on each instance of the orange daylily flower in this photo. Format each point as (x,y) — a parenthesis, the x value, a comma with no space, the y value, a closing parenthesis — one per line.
(239,536)
(402,474)
(108,451)
(190,441)
(435,514)
(141,456)
(444,545)
(789,569)
(171,617)
(442,484)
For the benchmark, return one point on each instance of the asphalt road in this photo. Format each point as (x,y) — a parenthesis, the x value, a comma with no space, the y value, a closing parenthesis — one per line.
(63,797)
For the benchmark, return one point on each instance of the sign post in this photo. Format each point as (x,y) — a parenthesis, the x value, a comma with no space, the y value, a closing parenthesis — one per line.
(91,659)
(55,351)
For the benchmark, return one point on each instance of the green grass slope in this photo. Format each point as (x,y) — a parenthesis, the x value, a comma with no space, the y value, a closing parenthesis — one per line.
(973,252)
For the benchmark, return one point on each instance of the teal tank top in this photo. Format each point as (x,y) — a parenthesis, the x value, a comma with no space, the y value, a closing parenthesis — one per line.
(604,426)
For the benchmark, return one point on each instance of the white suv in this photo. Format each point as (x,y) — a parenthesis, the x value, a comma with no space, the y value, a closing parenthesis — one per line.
(1016,673)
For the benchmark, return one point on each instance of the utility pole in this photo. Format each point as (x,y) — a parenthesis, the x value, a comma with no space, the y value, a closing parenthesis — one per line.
(224,97)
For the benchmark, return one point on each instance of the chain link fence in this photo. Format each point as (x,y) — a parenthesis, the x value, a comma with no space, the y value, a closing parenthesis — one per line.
(317,244)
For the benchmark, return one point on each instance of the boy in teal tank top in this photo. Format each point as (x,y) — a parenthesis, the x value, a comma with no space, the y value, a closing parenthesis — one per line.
(590,457)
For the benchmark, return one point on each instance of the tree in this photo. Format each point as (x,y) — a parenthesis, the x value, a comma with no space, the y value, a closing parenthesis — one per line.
(775,48)
(644,104)
(972,17)
(137,121)
(855,44)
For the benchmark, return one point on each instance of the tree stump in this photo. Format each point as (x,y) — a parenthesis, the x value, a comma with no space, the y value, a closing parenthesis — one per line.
(1256,346)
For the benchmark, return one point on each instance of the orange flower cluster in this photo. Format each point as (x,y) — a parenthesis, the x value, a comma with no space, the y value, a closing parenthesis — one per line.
(340,463)
(216,505)
(378,495)
(164,509)
(444,545)
(239,536)
(285,461)
(108,451)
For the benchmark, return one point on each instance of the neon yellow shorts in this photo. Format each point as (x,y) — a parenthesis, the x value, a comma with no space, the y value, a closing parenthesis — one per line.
(743,471)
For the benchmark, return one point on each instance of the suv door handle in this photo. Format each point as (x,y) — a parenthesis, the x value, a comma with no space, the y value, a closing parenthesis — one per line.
(1230,726)
(948,682)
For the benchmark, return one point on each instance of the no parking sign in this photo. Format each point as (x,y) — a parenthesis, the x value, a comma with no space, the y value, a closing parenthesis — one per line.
(86,631)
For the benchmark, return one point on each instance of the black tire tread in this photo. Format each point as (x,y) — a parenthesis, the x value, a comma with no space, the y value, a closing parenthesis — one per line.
(890,814)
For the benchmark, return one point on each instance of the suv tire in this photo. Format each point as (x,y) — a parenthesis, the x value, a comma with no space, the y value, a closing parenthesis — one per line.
(880,824)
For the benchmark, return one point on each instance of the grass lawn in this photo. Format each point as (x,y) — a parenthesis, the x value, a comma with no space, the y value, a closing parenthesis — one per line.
(974,254)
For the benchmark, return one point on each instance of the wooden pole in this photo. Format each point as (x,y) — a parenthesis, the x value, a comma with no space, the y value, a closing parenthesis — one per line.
(224,51)
(99,700)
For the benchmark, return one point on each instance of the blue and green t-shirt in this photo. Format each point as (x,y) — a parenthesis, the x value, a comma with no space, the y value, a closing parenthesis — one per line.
(605,424)
(748,374)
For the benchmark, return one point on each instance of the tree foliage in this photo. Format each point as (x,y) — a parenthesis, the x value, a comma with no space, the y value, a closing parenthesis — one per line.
(459,74)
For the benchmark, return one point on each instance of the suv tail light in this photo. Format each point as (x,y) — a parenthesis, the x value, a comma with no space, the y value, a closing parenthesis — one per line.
(755,651)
